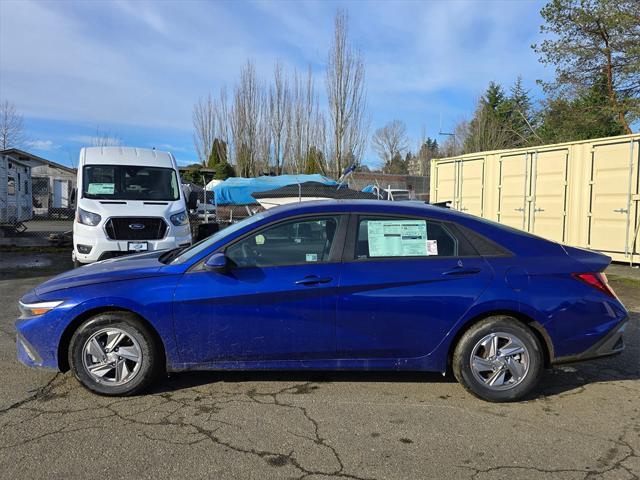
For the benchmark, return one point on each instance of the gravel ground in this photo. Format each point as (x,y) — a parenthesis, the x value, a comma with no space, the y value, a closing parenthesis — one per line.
(583,423)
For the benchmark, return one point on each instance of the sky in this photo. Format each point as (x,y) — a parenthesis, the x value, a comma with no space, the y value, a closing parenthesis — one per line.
(134,69)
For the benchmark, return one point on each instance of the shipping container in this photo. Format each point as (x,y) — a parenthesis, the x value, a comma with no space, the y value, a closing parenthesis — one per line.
(584,194)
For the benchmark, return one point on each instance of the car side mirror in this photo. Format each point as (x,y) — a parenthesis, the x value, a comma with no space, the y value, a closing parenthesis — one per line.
(217,262)
(192,202)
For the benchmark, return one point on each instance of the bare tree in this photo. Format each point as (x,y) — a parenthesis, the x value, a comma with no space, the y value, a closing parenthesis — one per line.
(347,97)
(104,138)
(454,144)
(204,124)
(305,126)
(390,140)
(11,126)
(487,132)
(247,115)
(279,97)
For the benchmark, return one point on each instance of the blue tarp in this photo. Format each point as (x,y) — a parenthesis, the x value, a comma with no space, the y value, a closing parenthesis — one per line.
(238,190)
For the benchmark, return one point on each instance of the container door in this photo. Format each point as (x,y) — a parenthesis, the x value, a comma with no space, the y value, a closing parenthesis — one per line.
(471,186)
(445,182)
(513,190)
(549,189)
(614,185)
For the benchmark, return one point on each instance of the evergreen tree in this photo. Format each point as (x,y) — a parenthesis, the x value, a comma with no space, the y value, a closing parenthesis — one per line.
(224,170)
(397,165)
(313,161)
(582,118)
(192,174)
(218,153)
(588,39)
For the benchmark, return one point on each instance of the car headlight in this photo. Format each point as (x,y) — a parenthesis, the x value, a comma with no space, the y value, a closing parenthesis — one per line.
(179,218)
(88,218)
(35,309)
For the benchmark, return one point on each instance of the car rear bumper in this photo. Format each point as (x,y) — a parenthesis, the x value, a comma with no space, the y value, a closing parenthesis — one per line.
(611,344)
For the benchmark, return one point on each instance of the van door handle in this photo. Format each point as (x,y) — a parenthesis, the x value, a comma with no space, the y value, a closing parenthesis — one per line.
(313,280)
(461,271)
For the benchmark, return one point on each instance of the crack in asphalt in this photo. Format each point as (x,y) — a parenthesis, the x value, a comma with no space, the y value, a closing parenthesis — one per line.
(171,418)
(37,394)
(605,461)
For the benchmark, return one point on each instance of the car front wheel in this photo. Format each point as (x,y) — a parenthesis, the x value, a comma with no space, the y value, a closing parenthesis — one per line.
(498,359)
(114,354)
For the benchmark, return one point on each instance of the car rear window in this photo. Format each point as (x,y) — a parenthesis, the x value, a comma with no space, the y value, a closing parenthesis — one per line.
(484,246)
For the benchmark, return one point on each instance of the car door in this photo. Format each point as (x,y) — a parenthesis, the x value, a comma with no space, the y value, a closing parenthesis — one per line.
(405,282)
(276,301)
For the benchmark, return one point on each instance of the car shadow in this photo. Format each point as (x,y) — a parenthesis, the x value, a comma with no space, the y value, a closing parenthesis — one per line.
(556,381)
(185,380)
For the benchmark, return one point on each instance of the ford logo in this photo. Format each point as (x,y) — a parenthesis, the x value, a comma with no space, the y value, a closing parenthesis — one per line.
(136,226)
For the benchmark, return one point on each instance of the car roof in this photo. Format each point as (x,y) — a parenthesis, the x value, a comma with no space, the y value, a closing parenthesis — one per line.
(364,206)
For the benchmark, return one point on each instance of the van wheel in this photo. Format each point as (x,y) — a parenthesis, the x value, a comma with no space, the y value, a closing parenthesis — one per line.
(76,263)
(498,360)
(114,354)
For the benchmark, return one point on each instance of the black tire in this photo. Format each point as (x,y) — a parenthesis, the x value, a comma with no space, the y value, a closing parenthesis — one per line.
(469,342)
(76,263)
(151,358)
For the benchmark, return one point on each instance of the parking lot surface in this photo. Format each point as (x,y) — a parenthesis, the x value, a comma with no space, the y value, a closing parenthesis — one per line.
(583,422)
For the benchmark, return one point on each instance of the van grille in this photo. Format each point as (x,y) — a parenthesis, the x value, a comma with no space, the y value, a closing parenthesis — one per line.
(135,228)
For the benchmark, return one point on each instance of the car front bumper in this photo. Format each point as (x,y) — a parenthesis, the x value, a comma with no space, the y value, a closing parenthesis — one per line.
(102,248)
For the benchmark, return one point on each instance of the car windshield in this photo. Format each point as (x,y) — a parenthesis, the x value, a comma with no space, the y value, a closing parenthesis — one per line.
(129,182)
(202,245)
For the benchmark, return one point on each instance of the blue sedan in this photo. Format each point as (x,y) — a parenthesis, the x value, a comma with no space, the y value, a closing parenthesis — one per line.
(332,285)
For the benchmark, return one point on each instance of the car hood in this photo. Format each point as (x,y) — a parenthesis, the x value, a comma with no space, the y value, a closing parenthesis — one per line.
(116,269)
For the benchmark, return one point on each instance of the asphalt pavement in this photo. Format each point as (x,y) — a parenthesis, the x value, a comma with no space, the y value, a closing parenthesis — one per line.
(582,423)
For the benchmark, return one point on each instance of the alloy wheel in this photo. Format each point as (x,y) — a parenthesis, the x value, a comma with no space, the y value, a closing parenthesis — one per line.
(499,361)
(112,356)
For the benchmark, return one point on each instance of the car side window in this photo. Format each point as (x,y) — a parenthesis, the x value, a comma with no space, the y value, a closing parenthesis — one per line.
(388,237)
(303,241)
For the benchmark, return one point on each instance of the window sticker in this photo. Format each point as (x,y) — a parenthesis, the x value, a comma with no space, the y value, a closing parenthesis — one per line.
(259,239)
(312,257)
(397,238)
(101,188)
(432,247)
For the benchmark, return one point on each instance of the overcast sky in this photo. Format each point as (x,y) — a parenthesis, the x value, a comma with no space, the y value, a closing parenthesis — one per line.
(135,69)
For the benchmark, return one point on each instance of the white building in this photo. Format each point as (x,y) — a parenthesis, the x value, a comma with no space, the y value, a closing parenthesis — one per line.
(53,184)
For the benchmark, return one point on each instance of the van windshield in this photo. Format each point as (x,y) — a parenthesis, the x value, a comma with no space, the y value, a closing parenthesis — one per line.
(129,182)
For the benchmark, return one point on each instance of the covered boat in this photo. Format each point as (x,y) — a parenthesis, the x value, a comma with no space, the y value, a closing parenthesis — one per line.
(308,191)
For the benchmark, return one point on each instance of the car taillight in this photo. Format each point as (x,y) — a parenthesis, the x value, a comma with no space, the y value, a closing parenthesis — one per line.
(596,280)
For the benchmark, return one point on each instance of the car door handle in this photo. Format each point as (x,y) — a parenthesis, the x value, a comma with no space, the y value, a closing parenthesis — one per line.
(462,271)
(313,280)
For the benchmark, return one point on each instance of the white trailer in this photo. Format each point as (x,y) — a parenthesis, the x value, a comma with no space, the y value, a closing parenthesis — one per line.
(16,204)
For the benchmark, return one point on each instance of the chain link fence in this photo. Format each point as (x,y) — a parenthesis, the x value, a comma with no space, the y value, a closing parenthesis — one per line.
(38,203)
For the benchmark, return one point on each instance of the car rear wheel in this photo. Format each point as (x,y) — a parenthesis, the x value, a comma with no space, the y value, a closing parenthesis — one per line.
(114,354)
(498,359)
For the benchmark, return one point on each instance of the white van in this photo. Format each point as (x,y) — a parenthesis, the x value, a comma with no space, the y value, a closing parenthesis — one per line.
(129,200)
